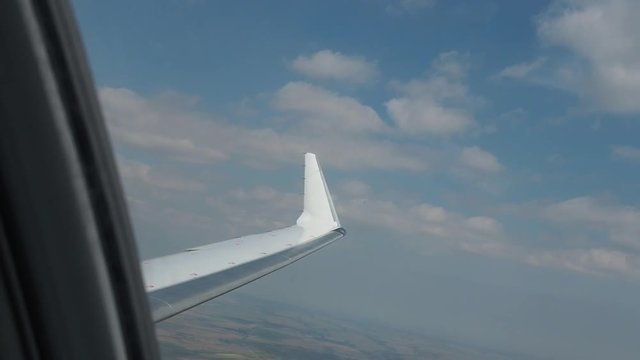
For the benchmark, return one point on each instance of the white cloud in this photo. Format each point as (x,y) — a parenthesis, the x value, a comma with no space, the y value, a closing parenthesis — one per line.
(522,70)
(450,64)
(626,153)
(257,208)
(275,198)
(354,188)
(438,105)
(399,7)
(141,172)
(427,116)
(136,121)
(620,223)
(480,234)
(327,64)
(327,110)
(605,36)
(481,160)
(181,149)
(148,123)
(593,261)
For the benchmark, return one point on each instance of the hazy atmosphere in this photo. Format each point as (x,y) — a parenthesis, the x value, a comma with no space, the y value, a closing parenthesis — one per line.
(484,157)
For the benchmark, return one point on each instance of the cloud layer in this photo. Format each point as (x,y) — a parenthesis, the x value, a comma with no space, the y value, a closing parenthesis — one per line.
(177,130)
(352,136)
(137,171)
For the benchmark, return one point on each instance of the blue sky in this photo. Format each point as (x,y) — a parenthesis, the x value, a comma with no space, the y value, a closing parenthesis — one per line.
(483,156)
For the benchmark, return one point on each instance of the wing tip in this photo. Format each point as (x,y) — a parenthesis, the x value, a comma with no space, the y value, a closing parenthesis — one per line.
(318,204)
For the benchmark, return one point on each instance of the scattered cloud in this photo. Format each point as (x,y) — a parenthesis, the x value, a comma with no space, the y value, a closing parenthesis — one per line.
(621,224)
(604,39)
(332,65)
(427,116)
(175,129)
(480,234)
(137,171)
(149,123)
(477,159)
(625,152)
(399,7)
(180,148)
(423,225)
(592,261)
(450,64)
(438,105)
(327,110)
(132,120)
(354,188)
(276,199)
(259,207)
(521,70)
(486,235)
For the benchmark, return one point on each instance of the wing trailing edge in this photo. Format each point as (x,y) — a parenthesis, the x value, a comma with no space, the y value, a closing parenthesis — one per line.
(181,281)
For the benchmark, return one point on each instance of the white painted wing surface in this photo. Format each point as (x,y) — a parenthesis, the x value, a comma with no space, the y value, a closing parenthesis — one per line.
(181,281)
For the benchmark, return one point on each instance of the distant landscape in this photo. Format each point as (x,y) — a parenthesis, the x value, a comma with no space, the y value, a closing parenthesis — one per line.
(242,327)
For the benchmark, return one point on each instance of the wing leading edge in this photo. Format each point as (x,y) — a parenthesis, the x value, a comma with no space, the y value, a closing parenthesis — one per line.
(181,281)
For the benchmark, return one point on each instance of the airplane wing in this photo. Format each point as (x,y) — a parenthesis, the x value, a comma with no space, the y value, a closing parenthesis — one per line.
(181,281)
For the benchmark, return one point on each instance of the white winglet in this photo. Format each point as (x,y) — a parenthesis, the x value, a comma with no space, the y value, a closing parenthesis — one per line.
(319,213)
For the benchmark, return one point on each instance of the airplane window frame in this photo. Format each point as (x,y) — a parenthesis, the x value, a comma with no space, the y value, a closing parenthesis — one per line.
(68,261)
